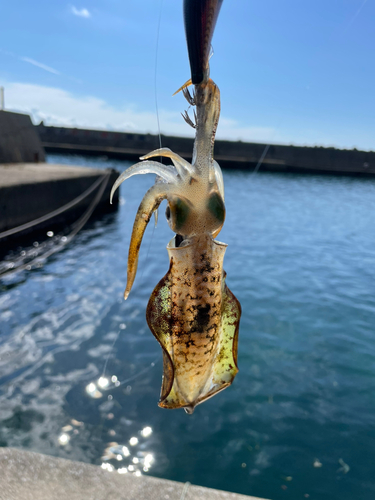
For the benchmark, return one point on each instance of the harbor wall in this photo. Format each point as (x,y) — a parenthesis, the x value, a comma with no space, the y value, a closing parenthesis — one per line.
(19,140)
(229,154)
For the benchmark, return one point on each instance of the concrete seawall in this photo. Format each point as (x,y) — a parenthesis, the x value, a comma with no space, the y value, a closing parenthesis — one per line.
(25,475)
(19,140)
(229,154)
(31,191)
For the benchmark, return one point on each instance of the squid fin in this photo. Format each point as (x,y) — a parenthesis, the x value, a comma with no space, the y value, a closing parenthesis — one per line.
(158,315)
(226,368)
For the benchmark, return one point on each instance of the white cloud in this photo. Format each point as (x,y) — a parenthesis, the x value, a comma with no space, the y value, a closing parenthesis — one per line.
(56,106)
(40,65)
(237,131)
(80,12)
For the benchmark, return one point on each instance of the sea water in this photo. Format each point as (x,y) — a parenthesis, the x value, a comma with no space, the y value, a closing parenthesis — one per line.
(80,372)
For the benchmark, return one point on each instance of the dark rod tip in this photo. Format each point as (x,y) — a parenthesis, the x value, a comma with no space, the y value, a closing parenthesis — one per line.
(200,18)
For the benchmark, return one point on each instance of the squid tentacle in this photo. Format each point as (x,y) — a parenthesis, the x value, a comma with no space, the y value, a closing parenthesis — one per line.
(150,202)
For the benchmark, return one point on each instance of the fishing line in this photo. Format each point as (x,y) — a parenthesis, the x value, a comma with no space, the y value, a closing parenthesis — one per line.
(161,160)
(254,172)
(158,122)
(264,154)
(137,375)
(266,148)
(155,71)
(357,13)
(133,377)
(110,352)
(157,118)
(76,227)
(184,491)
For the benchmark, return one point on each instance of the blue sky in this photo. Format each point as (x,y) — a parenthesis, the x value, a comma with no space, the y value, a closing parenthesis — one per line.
(294,72)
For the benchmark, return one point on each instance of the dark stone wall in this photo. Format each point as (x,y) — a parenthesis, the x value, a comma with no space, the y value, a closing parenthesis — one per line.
(19,141)
(107,141)
(229,154)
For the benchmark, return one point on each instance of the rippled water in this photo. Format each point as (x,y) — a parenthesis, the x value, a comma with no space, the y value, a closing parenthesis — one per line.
(301,260)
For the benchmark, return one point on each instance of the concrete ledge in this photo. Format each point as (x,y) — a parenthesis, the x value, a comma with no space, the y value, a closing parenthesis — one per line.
(25,475)
(29,191)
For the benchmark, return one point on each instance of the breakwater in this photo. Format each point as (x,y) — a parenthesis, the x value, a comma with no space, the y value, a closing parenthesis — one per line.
(229,154)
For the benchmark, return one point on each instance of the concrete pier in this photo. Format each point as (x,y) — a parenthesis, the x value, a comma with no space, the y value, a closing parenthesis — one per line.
(32,191)
(25,475)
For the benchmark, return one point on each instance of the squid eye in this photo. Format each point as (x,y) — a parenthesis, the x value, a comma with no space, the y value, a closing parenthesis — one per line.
(216,206)
(180,213)
(168,212)
(177,213)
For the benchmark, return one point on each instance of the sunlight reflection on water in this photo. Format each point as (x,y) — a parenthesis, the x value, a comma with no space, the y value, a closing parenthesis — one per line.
(80,373)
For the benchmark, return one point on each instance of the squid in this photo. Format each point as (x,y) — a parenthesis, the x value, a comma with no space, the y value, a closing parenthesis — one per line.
(191,312)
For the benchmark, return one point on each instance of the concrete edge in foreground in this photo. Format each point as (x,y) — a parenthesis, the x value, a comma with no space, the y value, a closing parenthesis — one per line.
(26,475)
